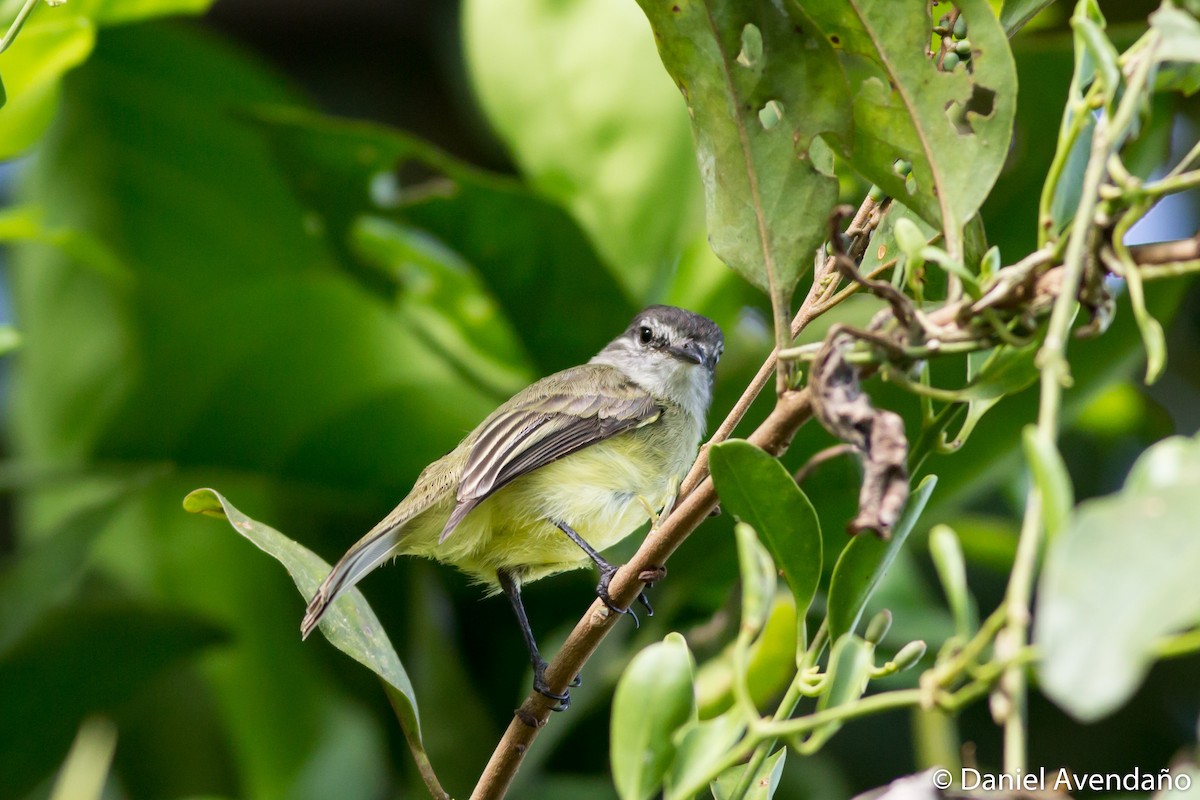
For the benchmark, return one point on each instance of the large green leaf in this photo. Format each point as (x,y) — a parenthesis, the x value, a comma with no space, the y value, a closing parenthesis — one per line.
(953,127)
(350,625)
(758,491)
(865,561)
(761,83)
(94,656)
(654,698)
(1121,576)
(559,298)
(577,92)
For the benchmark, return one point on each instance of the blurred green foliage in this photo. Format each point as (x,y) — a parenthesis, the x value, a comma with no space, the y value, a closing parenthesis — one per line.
(217,284)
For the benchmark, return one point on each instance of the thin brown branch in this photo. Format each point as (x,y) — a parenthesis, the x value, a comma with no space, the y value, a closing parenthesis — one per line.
(1167,252)
(820,457)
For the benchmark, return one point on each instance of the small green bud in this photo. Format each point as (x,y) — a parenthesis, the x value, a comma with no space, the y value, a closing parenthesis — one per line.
(910,654)
(963,49)
(879,626)
(902,167)
(876,194)
(960,27)
(950,61)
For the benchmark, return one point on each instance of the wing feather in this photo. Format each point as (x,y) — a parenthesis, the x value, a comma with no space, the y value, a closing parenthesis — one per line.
(546,422)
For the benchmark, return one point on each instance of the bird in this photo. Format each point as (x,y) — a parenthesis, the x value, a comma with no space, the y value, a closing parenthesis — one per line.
(564,469)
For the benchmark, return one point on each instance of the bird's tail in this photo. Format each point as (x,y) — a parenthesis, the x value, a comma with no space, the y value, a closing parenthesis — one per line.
(367,554)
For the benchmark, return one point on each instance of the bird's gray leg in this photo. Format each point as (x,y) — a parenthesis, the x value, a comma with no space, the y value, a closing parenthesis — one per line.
(607,571)
(513,591)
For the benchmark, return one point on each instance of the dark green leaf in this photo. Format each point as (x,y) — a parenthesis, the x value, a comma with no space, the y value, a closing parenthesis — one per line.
(93,657)
(556,295)
(904,105)
(654,698)
(756,111)
(865,561)
(1121,576)
(757,490)
(350,625)
(46,575)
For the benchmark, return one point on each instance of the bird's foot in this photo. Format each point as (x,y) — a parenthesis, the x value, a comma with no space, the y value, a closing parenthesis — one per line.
(561,701)
(648,576)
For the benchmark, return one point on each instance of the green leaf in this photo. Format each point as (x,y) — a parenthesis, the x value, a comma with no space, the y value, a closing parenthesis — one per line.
(766,779)
(350,625)
(903,105)
(770,662)
(123,648)
(654,699)
(1015,13)
(46,575)
(951,568)
(28,224)
(850,662)
(768,186)
(758,582)
(885,241)
(1053,481)
(53,41)
(32,67)
(578,94)
(1179,32)
(343,170)
(700,745)
(757,490)
(864,562)
(1121,576)
(992,376)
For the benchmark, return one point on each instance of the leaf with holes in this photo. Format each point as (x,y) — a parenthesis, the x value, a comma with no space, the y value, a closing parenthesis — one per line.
(953,127)
(761,83)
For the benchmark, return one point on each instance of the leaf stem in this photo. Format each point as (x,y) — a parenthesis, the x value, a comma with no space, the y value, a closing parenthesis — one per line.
(17,24)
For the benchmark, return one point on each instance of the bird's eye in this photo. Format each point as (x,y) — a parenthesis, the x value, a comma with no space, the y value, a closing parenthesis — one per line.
(645,335)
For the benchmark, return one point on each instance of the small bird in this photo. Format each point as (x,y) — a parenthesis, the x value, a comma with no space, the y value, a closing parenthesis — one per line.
(566,468)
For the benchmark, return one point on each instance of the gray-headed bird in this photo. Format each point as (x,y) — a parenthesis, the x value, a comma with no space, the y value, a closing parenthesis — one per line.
(566,468)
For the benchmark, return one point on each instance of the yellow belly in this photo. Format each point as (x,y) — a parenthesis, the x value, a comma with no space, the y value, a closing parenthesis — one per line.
(595,491)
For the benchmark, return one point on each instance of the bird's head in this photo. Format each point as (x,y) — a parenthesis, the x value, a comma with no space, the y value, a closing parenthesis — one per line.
(671,353)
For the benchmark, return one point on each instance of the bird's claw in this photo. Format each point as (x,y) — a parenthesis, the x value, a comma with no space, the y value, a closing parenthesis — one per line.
(647,576)
(561,701)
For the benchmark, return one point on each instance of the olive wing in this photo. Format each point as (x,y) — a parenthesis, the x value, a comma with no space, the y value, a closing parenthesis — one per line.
(553,418)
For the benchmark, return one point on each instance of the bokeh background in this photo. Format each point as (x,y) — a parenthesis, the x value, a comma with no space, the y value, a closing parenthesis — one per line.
(294,251)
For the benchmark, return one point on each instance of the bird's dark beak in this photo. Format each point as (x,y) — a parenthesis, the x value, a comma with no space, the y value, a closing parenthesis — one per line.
(687,351)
